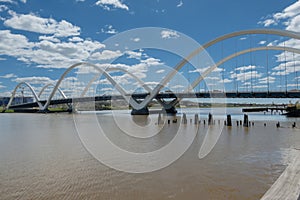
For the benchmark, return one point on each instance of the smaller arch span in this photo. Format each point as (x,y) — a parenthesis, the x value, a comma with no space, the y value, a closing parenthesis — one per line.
(47,86)
(141,82)
(32,91)
(127,97)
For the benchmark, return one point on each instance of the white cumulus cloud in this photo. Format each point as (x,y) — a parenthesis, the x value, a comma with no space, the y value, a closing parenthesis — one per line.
(180,4)
(107,4)
(168,34)
(33,23)
(9,76)
(109,29)
(106,55)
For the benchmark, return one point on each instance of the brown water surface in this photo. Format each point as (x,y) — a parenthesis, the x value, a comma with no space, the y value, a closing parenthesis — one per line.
(42,157)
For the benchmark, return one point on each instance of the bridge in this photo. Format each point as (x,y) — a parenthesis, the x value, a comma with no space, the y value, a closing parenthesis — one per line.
(165,96)
(168,100)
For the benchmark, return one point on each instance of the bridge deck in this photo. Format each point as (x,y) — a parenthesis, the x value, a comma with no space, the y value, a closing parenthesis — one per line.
(170,95)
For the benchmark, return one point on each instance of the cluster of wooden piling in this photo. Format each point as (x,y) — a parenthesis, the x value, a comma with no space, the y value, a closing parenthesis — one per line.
(227,122)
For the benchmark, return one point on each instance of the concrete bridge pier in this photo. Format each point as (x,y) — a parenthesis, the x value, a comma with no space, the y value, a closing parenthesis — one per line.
(44,111)
(170,111)
(143,111)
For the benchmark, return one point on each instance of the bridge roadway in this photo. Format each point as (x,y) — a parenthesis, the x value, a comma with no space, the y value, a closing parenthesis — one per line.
(168,96)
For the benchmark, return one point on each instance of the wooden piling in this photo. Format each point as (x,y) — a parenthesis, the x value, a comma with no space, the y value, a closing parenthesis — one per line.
(210,119)
(184,120)
(278,124)
(159,121)
(196,119)
(229,123)
(246,121)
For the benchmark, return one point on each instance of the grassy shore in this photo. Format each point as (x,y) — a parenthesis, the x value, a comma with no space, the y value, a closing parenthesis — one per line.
(6,111)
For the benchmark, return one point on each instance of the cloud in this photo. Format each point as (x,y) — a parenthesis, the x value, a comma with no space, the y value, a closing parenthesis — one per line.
(294,24)
(168,34)
(289,17)
(106,55)
(179,4)
(244,68)
(262,42)
(226,80)
(50,52)
(286,68)
(76,39)
(34,80)
(3,8)
(265,80)
(260,86)
(133,54)
(135,39)
(152,62)
(160,71)
(6,1)
(9,76)
(15,45)
(152,83)
(33,23)
(268,22)
(106,89)
(246,76)
(107,4)
(109,29)
(49,38)
(203,69)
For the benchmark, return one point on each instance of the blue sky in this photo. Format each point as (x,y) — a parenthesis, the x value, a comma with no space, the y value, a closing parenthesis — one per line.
(40,39)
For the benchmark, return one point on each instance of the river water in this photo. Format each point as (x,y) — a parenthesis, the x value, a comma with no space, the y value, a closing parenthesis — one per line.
(42,157)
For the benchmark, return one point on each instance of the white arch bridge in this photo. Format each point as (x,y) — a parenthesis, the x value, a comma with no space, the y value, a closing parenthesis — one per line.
(140,102)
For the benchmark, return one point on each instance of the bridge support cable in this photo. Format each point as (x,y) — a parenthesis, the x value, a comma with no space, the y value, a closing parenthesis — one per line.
(285,73)
(268,75)
(223,68)
(251,64)
(212,68)
(235,69)
(295,72)
(209,70)
(184,61)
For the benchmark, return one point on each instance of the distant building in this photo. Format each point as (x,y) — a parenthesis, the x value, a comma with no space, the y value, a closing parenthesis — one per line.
(17,100)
